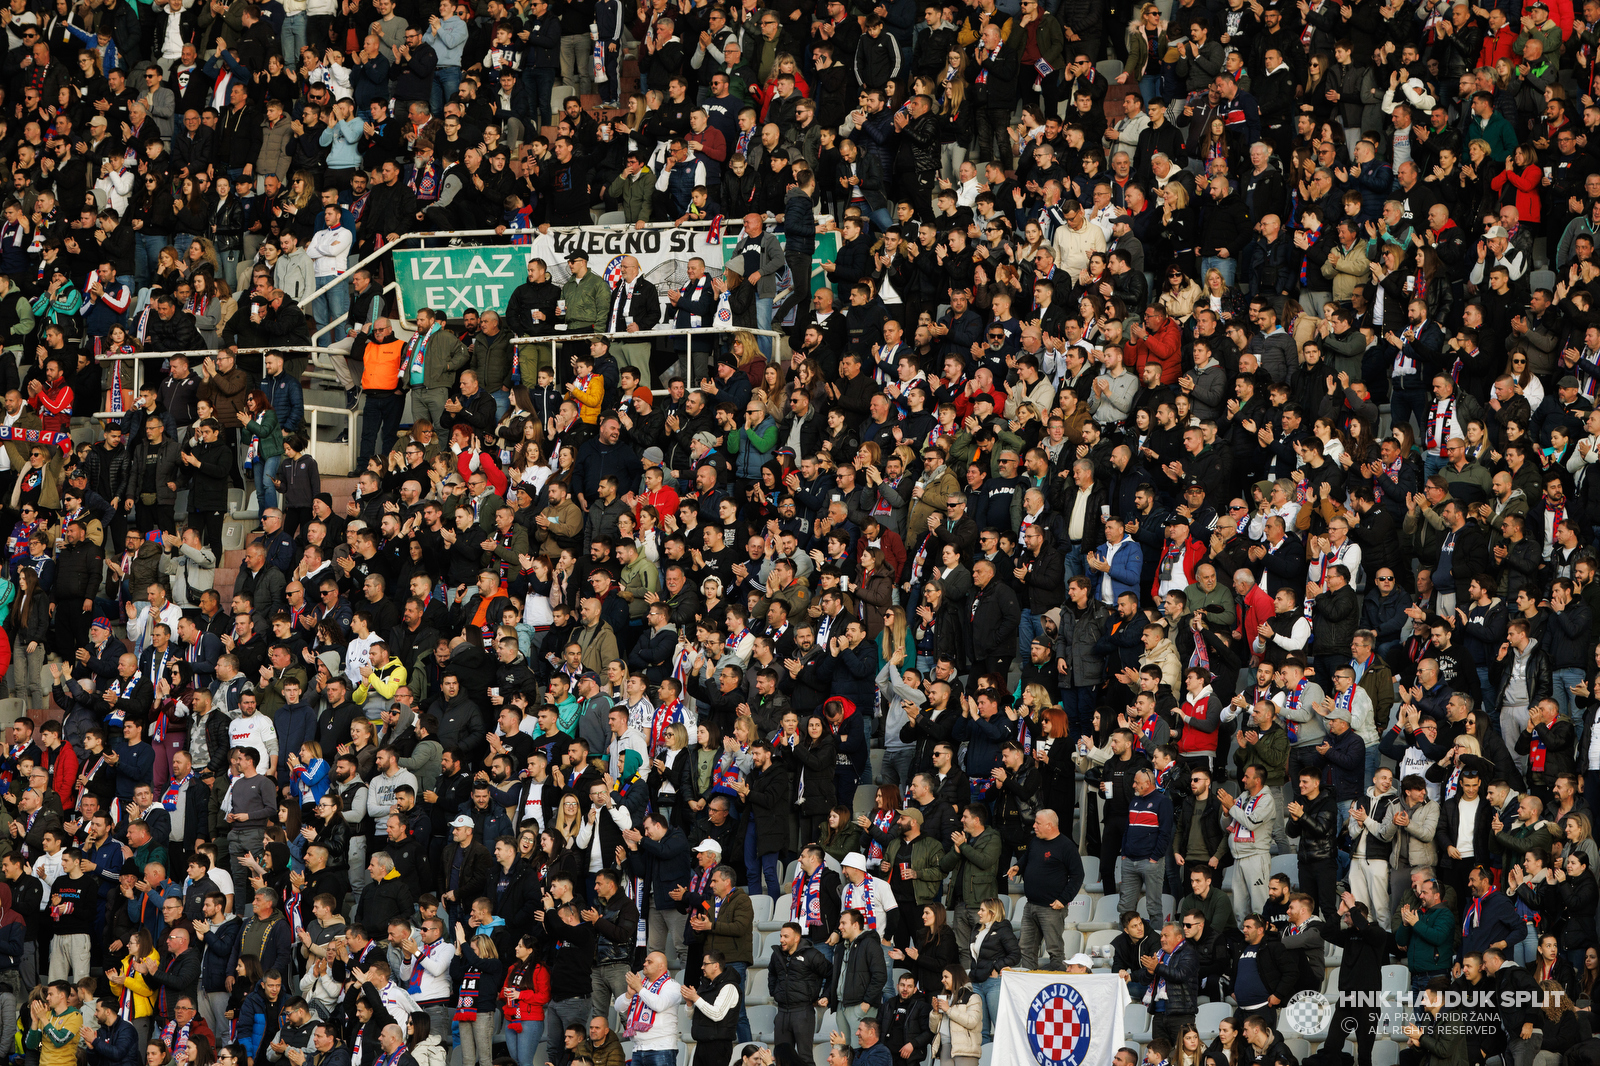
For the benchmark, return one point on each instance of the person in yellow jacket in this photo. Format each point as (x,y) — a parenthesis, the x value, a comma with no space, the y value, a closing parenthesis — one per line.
(588,389)
(380,679)
(131,988)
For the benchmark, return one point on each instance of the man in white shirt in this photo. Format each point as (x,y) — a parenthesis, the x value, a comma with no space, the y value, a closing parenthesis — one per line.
(330,253)
(648,1012)
(433,955)
(870,895)
(252,730)
(141,616)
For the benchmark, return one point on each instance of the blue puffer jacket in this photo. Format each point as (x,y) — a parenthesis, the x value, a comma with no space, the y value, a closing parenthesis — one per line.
(288,403)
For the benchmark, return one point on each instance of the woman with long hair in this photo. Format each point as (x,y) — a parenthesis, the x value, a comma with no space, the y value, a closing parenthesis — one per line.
(1314,95)
(958,1019)
(815,758)
(672,778)
(841,835)
(133,990)
(957,121)
(1523,381)
(1575,885)
(260,421)
(1175,235)
(993,947)
(1191,1049)
(1145,41)
(523,998)
(1230,1046)
(325,826)
(29,625)
(1559,1026)
(1522,173)
(423,1043)
(932,949)
(704,756)
(568,820)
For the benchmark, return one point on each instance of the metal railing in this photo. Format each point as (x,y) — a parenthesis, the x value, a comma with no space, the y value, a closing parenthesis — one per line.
(640,336)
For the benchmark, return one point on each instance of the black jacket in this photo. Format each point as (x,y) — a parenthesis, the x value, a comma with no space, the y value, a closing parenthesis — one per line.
(859,973)
(797,980)
(1000,950)
(1182,974)
(1315,828)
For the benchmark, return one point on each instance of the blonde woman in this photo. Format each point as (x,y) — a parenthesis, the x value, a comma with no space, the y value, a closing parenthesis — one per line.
(475,1014)
(957,1018)
(957,119)
(991,948)
(569,819)
(1146,39)
(896,638)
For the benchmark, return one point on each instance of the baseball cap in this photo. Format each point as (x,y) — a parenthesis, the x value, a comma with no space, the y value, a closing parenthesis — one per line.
(1568,382)
(576,255)
(463,822)
(1080,959)
(709,845)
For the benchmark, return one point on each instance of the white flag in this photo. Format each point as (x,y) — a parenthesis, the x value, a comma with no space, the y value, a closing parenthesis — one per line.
(1057,1019)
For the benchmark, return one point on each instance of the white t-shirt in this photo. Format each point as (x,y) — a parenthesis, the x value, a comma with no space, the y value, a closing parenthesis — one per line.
(1469,818)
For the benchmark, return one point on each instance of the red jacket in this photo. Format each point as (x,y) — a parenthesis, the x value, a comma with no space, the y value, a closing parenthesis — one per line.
(1193,551)
(63,766)
(1164,347)
(1258,608)
(54,404)
(1527,185)
(1497,46)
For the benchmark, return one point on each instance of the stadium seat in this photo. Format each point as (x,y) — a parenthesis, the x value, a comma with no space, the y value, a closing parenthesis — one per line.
(778,915)
(1289,866)
(1105,916)
(1091,870)
(1079,911)
(1169,907)
(13,709)
(1210,1017)
(1330,980)
(827,1022)
(1109,69)
(1385,1053)
(1100,938)
(1136,1023)
(1297,1047)
(1333,956)
(763,907)
(1396,978)
(763,1022)
(758,995)
(1071,943)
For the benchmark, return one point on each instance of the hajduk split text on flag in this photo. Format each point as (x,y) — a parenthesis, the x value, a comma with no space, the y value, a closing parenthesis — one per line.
(1057,1019)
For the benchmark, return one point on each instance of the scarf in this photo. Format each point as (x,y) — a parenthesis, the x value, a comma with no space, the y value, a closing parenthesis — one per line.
(414,982)
(864,904)
(1536,752)
(1241,834)
(1292,702)
(640,1017)
(169,799)
(881,820)
(1440,417)
(666,716)
(699,880)
(806,908)
(1305,261)
(1474,914)
(1171,556)
(1390,471)
(416,349)
(1157,991)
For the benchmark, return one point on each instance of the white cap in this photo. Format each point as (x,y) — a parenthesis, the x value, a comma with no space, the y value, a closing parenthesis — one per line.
(855,861)
(709,845)
(463,822)
(1080,959)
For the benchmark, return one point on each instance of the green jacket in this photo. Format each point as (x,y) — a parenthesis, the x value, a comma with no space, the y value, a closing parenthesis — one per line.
(265,427)
(444,355)
(1049,37)
(588,301)
(1429,943)
(638,578)
(23,327)
(1497,131)
(924,855)
(633,195)
(977,866)
(753,448)
(1271,750)
(1443,1039)
(491,360)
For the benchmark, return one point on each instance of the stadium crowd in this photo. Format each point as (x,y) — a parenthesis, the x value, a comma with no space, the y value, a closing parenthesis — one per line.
(1214,486)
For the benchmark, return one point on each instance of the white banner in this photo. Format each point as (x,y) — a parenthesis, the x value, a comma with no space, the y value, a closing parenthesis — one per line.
(1057,1019)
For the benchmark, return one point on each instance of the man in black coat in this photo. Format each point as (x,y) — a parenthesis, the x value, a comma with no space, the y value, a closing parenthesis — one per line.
(766,794)
(660,854)
(995,616)
(905,1021)
(172,329)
